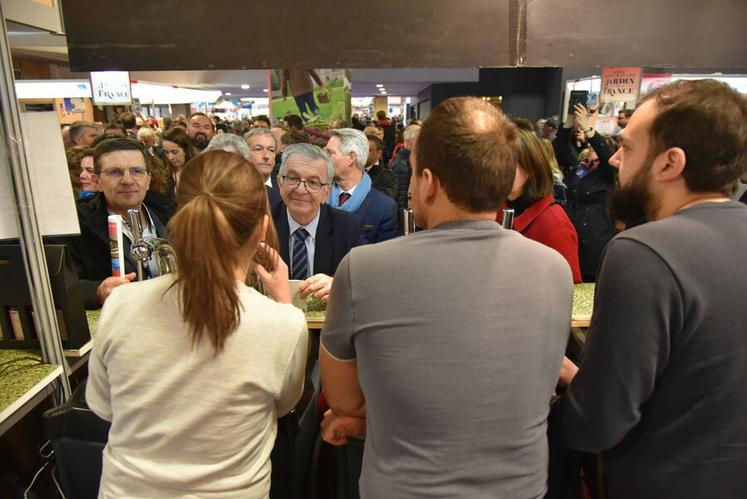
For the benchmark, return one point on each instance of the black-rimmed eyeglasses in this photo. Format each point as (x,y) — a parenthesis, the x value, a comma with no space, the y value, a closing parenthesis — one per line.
(294,182)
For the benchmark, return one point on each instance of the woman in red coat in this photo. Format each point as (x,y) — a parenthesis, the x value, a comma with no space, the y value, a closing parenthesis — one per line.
(537,215)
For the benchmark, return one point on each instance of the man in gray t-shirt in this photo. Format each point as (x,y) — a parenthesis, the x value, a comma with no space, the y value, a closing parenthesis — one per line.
(661,389)
(453,356)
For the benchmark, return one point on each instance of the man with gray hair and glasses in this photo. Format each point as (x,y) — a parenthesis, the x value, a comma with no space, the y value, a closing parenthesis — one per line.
(313,236)
(352,190)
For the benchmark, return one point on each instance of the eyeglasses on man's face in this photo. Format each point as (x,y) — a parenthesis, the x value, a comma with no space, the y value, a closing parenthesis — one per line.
(117,174)
(293,182)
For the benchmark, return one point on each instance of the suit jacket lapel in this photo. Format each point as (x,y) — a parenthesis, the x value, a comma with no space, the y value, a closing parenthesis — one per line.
(324,243)
(280,217)
(160,226)
(98,224)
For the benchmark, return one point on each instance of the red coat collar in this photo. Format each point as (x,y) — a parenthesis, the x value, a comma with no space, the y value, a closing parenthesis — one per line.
(525,219)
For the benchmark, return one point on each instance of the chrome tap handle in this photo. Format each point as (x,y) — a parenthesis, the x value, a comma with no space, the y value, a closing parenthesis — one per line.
(508,218)
(138,251)
(408,221)
(133,217)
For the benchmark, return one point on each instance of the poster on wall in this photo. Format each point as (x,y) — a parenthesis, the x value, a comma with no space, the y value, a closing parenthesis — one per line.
(320,96)
(619,85)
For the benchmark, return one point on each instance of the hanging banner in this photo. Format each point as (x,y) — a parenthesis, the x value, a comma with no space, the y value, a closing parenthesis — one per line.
(620,84)
(111,87)
(319,96)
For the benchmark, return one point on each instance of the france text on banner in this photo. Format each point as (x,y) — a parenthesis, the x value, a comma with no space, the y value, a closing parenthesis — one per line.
(620,84)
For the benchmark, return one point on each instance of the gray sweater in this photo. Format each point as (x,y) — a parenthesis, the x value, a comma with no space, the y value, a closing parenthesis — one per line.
(663,384)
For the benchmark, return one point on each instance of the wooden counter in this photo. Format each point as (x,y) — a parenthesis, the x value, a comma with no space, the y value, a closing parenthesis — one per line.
(583,303)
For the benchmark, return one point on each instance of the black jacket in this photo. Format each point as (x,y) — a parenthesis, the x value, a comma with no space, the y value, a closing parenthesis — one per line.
(587,199)
(337,233)
(90,250)
(384,179)
(401,166)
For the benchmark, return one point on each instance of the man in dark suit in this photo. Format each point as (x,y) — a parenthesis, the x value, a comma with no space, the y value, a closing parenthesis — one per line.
(122,171)
(313,236)
(353,190)
(263,146)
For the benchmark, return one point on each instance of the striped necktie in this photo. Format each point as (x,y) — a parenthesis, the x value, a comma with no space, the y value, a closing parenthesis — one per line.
(300,258)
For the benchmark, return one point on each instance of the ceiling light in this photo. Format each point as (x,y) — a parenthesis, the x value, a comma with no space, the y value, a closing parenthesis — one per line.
(245,87)
(264,90)
(380,85)
(228,93)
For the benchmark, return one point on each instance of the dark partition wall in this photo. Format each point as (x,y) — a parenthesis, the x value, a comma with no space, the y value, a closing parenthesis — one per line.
(221,34)
(247,34)
(665,33)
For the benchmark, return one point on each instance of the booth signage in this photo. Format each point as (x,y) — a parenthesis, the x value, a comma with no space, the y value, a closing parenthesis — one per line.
(111,88)
(620,84)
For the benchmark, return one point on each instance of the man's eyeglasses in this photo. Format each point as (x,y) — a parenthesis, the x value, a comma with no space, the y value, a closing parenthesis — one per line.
(294,182)
(136,173)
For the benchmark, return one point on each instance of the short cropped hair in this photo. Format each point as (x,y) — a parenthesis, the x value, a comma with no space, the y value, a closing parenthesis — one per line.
(687,108)
(470,146)
(411,133)
(264,118)
(376,140)
(114,125)
(309,152)
(114,144)
(223,140)
(198,113)
(352,140)
(78,127)
(294,121)
(260,131)
(128,120)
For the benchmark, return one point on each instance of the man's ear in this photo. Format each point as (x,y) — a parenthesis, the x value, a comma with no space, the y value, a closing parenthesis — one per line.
(429,185)
(670,164)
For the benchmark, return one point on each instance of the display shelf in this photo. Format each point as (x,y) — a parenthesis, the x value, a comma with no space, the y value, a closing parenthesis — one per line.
(24,382)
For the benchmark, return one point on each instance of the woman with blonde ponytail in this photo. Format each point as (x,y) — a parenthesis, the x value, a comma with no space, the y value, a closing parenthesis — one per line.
(194,368)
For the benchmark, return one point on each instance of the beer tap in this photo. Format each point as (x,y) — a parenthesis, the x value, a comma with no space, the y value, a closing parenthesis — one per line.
(143,248)
(508,218)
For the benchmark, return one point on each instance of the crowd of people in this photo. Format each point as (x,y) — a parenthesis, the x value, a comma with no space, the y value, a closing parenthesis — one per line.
(444,348)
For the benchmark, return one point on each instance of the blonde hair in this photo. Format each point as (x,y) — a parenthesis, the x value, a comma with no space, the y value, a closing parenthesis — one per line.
(221,202)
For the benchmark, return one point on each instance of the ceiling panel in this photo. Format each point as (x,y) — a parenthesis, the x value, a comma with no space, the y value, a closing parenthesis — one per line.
(223,34)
